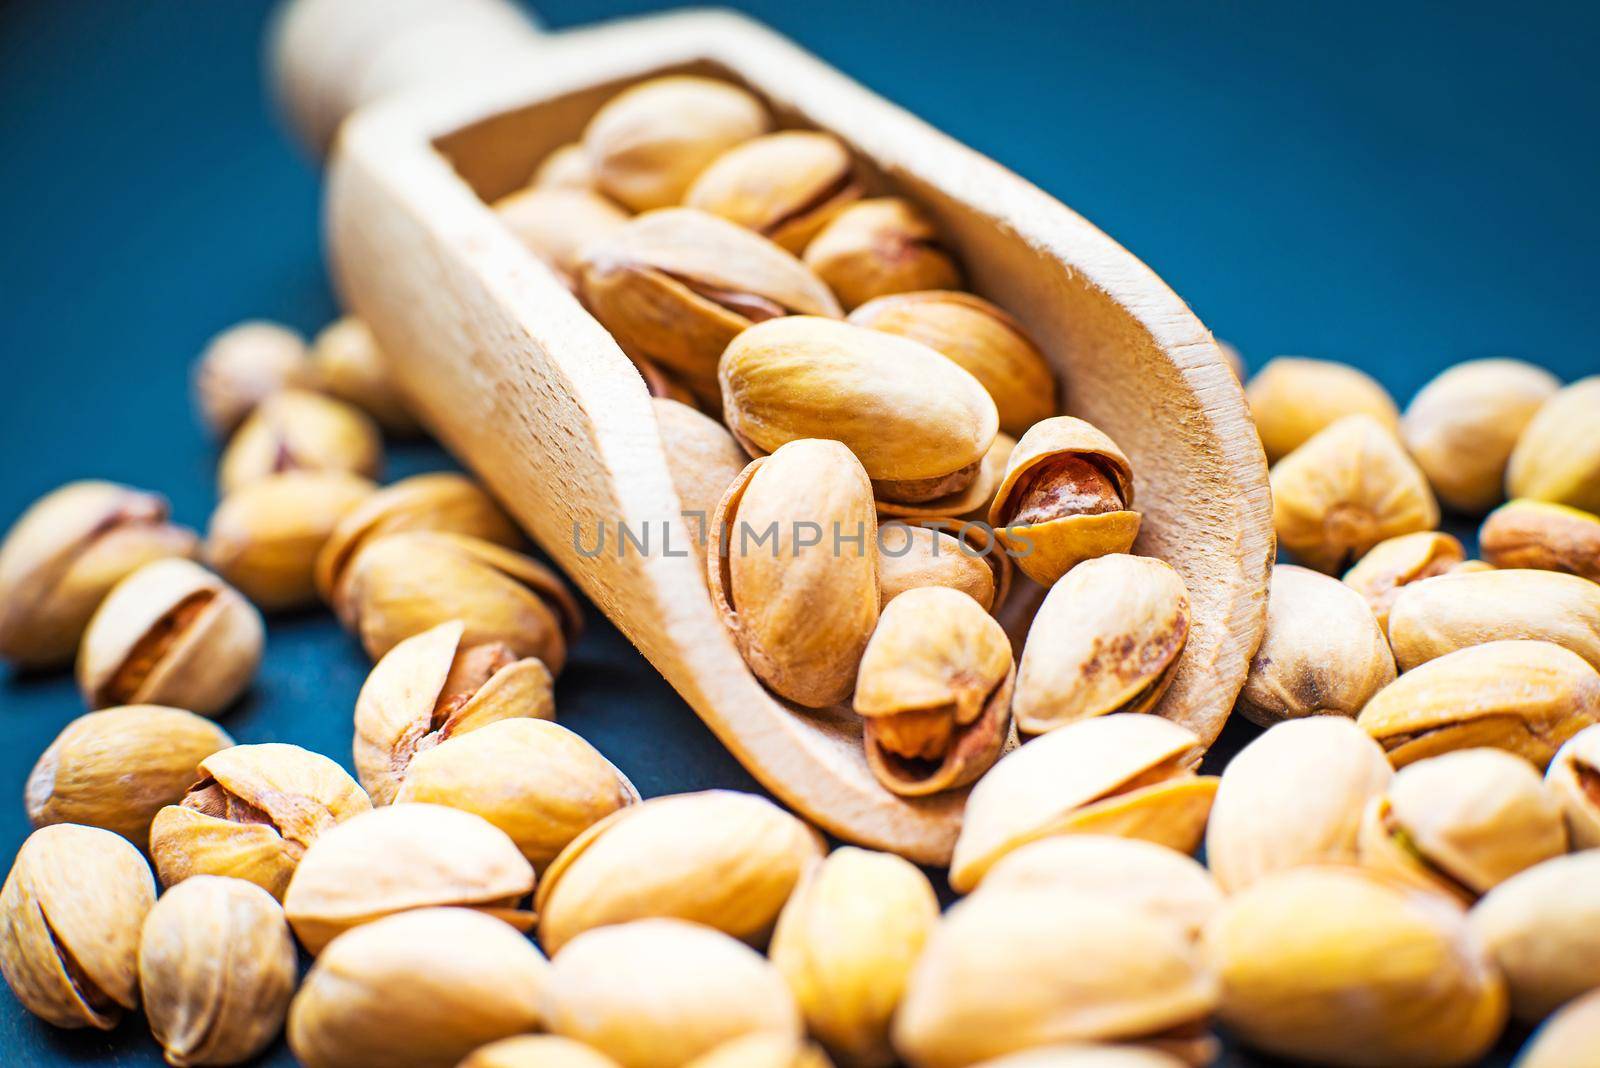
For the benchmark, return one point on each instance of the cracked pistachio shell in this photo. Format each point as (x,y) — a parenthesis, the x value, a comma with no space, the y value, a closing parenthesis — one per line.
(1067,497)
(65,553)
(216,970)
(421,989)
(1294,796)
(264,538)
(1462,426)
(785,186)
(648,143)
(967,506)
(566,167)
(171,633)
(1343,967)
(1090,1055)
(1543,536)
(913,557)
(1323,652)
(845,944)
(802,603)
(1557,458)
(658,993)
(243,366)
(1126,773)
(556,224)
(347,363)
(1526,697)
(1568,1038)
(431,687)
(403,857)
(724,859)
(1574,780)
(776,1050)
(1542,927)
(881,246)
(1394,563)
(1012,970)
(117,768)
(252,815)
(1345,490)
(70,914)
(1293,398)
(982,338)
(1107,639)
(934,692)
(297,430)
(537,1051)
(1454,612)
(702,460)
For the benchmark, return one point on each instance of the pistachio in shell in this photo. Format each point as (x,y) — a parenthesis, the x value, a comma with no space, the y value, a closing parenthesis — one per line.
(347,363)
(966,506)
(702,459)
(1573,778)
(556,224)
(1568,1037)
(1469,608)
(298,430)
(1543,536)
(775,1050)
(1292,398)
(1086,1055)
(243,366)
(934,553)
(1557,457)
(537,1051)
(566,167)
(881,246)
(785,186)
(1542,927)
(1394,563)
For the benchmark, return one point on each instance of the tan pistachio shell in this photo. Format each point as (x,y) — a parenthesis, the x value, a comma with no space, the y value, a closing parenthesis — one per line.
(911,557)
(1293,398)
(703,460)
(785,186)
(1542,927)
(1545,536)
(881,246)
(1557,458)
(1394,563)
(537,1051)
(1453,612)
(297,430)
(556,224)
(1573,778)
(243,366)
(1086,1055)
(347,363)
(1568,1038)
(970,504)
(566,167)
(777,1050)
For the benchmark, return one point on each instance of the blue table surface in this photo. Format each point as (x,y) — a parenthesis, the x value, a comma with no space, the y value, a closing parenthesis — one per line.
(1400,186)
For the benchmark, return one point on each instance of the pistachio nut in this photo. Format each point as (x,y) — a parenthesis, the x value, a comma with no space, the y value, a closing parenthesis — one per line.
(421,989)
(1542,927)
(1125,774)
(1341,966)
(1544,536)
(1462,823)
(216,970)
(1574,780)
(297,430)
(1394,563)
(934,692)
(556,223)
(1323,652)
(702,459)
(347,363)
(785,186)
(1462,426)
(431,687)
(1086,1055)
(1557,458)
(243,366)
(403,857)
(912,557)
(982,338)
(265,537)
(117,768)
(1526,697)
(252,815)
(845,944)
(1012,970)
(663,385)
(70,914)
(1067,497)
(793,569)
(877,247)
(1294,796)
(1346,489)
(566,167)
(1293,398)
(1453,612)
(65,553)
(724,859)
(170,633)
(969,504)
(649,142)
(537,1051)
(776,1050)
(1568,1038)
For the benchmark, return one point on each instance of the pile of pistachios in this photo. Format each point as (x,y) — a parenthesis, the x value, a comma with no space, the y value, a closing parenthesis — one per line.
(1406,861)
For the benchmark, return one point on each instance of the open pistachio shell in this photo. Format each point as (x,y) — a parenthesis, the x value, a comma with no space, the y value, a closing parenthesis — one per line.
(1452,612)
(1557,457)
(1395,563)
(1568,1038)
(1545,536)
(970,503)
(297,430)
(1574,780)
(1542,927)
(880,246)
(785,186)
(1292,398)
(243,366)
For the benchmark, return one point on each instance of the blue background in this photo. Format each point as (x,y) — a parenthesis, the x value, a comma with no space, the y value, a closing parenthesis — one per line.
(1400,186)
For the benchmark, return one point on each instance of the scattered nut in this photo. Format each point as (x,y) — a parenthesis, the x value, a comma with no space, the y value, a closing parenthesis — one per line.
(1557,458)
(785,186)
(1453,612)
(297,430)
(243,366)
(1542,927)
(1292,399)
(557,223)
(1548,537)
(347,362)
(1574,780)
(1394,563)
(877,247)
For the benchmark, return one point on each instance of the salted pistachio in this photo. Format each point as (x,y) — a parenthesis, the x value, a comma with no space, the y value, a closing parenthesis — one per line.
(264,538)
(1294,796)
(776,1050)
(785,186)
(297,430)
(970,504)
(432,687)
(537,1051)
(1293,398)
(1557,458)
(65,553)
(724,859)
(421,989)
(1394,563)
(934,692)
(1341,966)
(1543,536)
(1542,927)
(1323,652)
(1462,426)
(170,633)
(566,167)
(70,914)
(556,223)
(1568,1038)
(1067,497)
(252,814)
(243,366)
(216,970)
(649,142)
(1526,697)
(877,247)
(980,337)
(1456,611)
(793,569)
(1350,486)
(1573,778)
(702,460)
(347,363)
(845,944)
(402,857)
(1125,774)
(117,768)
(1086,1055)
(914,556)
